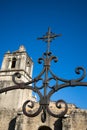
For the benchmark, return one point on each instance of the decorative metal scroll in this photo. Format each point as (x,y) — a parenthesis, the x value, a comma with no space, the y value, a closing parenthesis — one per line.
(46,76)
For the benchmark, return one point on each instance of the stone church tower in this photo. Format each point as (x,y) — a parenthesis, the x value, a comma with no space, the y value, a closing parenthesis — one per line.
(11,102)
(17,61)
(11,115)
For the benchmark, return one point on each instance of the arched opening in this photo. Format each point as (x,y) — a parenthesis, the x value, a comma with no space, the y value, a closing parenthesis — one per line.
(58,124)
(44,128)
(13,63)
(12,124)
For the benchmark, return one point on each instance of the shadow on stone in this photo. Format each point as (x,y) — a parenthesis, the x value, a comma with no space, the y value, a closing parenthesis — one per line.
(12,124)
(44,128)
(58,124)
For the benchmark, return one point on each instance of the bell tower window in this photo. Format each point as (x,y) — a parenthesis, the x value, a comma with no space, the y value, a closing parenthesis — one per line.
(13,63)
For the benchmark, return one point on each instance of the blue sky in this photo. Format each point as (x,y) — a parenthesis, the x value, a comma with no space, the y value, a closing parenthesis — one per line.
(22,21)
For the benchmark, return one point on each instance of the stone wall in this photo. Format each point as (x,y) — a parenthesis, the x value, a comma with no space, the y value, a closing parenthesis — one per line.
(75,119)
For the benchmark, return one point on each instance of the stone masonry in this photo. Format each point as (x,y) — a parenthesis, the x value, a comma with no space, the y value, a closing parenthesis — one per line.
(75,119)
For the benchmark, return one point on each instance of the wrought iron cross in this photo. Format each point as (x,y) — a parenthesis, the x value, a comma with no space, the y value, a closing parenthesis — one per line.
(46,76)
(48,38)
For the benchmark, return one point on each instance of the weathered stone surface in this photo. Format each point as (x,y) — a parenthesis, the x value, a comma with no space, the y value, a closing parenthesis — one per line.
(75,119)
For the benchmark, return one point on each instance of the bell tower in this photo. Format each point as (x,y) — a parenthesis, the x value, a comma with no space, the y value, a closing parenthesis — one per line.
(17,61)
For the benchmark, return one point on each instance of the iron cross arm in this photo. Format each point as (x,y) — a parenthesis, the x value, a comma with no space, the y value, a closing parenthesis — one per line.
(48,37)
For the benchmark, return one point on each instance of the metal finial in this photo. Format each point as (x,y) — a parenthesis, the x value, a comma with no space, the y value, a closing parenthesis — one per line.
(49,37)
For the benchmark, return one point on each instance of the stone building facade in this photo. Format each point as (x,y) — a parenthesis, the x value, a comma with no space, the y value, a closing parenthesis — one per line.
(11,115)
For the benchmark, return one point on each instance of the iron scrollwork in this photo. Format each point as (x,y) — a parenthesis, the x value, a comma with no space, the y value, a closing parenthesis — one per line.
(46,76)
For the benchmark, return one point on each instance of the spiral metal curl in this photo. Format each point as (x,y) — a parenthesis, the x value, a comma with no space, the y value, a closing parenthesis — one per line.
(59,104)
(16,75)
(78,71)
(30,114)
